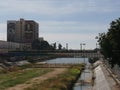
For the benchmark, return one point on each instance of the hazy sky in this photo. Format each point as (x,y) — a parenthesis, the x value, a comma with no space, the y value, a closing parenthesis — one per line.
(63,21)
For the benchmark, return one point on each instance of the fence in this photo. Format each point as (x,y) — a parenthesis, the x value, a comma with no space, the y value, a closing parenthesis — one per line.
(115,69)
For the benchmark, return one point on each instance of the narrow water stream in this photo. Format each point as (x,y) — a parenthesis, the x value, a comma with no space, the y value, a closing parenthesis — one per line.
(68,60)
(86,74)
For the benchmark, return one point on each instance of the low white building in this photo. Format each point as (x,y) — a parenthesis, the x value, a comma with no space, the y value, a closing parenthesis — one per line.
(11,46)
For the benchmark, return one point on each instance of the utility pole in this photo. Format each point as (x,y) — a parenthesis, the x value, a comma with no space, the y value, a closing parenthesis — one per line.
(81,46)
(66,46)
(84,58)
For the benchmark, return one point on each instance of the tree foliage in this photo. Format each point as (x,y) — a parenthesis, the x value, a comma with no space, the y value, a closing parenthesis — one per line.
(41,45)
(92,60)
(59,46)
(110,42)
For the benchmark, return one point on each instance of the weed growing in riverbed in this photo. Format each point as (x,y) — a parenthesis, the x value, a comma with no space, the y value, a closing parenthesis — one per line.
(63,81)
(14,78)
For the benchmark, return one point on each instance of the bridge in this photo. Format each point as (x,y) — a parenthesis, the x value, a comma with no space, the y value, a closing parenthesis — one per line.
(63,53)
(55,65)
(82,55)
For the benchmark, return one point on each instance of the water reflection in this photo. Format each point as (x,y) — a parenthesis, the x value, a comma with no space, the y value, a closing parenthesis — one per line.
(68,60)
(86,75)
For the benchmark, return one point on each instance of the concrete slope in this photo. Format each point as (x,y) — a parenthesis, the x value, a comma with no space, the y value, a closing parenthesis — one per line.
(103,79)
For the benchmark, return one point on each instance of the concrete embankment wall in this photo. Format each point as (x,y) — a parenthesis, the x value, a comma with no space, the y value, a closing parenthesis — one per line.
(100,80)
(104,79)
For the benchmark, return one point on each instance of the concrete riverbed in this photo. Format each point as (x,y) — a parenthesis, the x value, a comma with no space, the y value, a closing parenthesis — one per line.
(84,82)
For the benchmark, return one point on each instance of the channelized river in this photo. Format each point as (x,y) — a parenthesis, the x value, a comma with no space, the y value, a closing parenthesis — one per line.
(85,75)
(68,60)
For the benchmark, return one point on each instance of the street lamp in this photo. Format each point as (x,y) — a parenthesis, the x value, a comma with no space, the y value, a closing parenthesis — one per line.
(84,52)
(66,46)
(83,44)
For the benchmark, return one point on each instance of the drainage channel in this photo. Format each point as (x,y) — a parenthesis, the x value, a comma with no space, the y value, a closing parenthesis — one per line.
(84,82)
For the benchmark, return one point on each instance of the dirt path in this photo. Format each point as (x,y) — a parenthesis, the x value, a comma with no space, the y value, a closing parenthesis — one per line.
(38,79)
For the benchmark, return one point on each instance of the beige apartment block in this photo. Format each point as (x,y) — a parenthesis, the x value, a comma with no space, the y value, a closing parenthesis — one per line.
(22,31)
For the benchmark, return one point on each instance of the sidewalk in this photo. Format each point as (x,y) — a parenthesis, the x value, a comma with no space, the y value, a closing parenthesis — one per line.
(104,80)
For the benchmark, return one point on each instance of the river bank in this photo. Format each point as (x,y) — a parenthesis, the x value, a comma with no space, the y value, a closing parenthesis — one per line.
(7,63)
(57,79)
(65,80)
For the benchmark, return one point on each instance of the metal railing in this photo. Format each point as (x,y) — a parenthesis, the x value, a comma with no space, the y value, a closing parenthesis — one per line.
(115,70)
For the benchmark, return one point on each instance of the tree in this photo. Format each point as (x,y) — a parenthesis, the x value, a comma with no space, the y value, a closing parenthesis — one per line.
(35,44)
(54,46)
(105,45)
(92,60)
(110,42)
(59,46)
(41,45)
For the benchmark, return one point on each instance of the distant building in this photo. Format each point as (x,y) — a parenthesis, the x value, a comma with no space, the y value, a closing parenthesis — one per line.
(22,31)
(8,45)
(41,39)
(11,46)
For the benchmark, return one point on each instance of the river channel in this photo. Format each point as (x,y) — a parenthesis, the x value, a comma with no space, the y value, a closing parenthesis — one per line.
(86,74)
(68,60)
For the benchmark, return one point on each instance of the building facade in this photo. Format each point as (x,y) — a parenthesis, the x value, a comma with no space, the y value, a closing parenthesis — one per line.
(11,46)
(22,31)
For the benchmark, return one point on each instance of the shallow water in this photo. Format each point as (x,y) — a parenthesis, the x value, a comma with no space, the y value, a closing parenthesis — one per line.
(85,75)
(68,60)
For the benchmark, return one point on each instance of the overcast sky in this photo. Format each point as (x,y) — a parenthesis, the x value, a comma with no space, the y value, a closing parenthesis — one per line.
(63,21)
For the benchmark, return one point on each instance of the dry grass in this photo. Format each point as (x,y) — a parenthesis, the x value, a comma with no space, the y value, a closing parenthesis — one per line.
(13,78)
(60,82)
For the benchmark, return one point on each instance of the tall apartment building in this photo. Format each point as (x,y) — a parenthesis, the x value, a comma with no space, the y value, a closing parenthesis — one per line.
(22,31)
